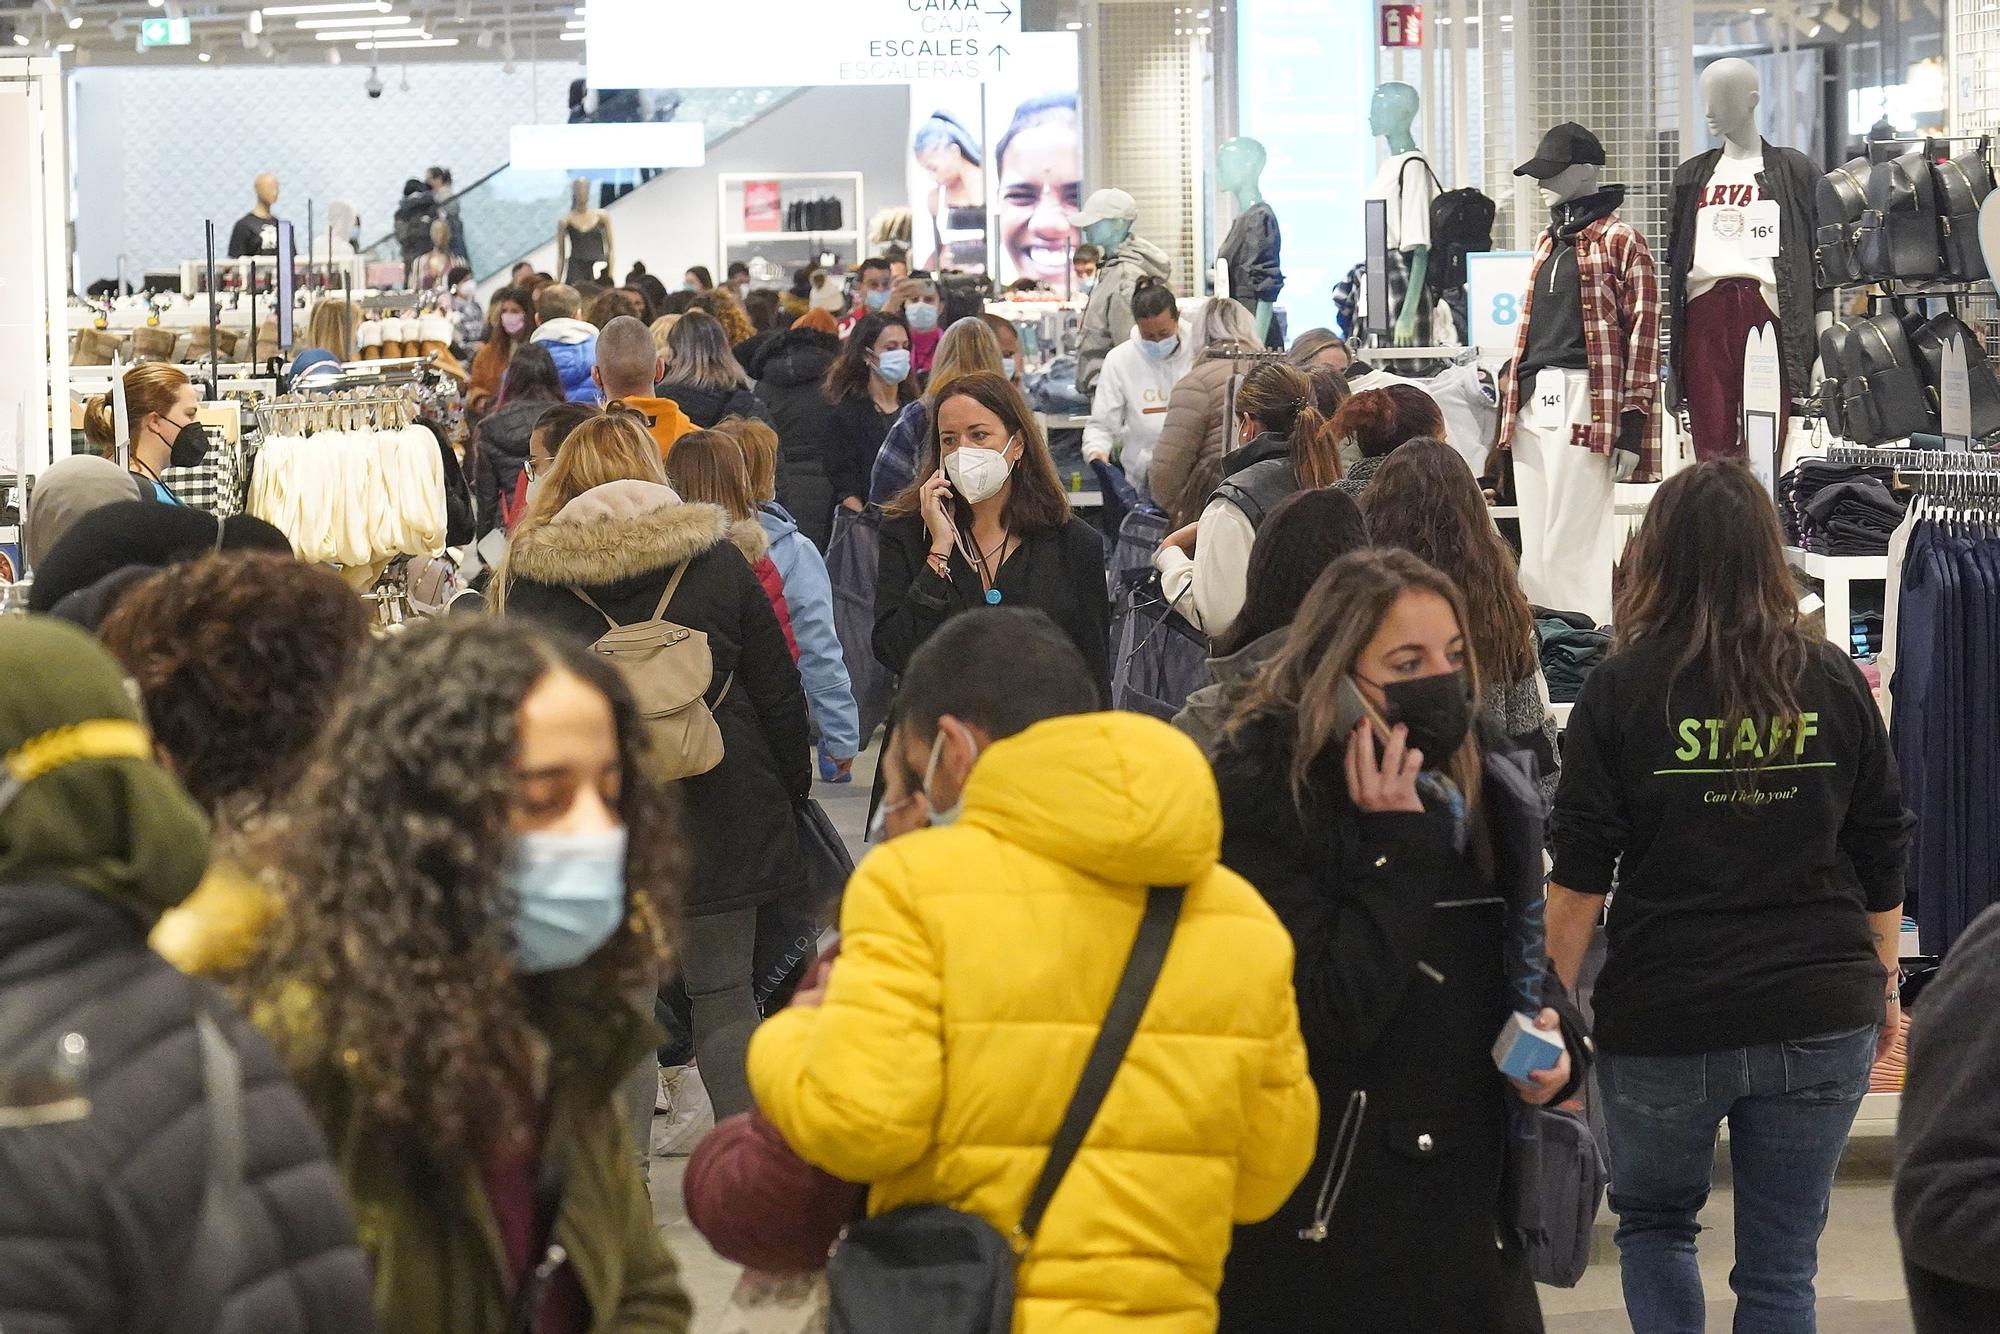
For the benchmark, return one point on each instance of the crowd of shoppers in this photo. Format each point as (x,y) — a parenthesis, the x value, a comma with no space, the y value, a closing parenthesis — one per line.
(447,878)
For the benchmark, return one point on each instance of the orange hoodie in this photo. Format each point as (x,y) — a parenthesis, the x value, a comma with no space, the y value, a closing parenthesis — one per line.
(664,419)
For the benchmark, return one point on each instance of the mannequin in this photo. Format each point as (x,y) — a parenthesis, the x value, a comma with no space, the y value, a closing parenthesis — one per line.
(583,238)
(256,232)
(1409,190)
(343,223)
(1740,257)
(1106,221)
(1578,409)
(1253,244)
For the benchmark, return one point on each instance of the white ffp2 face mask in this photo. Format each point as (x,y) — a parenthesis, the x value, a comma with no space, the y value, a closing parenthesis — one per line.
(977,474)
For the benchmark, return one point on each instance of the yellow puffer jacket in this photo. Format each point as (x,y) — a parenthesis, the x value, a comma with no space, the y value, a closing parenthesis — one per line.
(976,964)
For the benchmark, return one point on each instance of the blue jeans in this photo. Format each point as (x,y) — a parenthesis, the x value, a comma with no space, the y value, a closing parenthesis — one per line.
(1789,1106)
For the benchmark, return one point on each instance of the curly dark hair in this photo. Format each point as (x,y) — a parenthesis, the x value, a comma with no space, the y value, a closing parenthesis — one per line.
(239,660)
(399,922)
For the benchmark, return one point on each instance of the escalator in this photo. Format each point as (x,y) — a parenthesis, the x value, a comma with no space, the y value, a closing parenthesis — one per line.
(511,212)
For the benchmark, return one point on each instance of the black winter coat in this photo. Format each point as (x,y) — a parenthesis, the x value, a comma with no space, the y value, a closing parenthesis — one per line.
(1400,999)
(857,430)
(1057,571)
(788,380)
(500,452)
(622,543)
(97,1213)
(706,407)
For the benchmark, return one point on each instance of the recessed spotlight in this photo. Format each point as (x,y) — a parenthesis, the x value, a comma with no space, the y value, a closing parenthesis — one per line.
(202,56)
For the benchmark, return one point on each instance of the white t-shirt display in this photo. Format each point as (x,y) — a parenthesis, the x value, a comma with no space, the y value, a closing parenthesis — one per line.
(1735,230)
(1409,195)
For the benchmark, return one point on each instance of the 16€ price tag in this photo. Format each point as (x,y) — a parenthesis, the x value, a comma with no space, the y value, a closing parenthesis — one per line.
(1760,229)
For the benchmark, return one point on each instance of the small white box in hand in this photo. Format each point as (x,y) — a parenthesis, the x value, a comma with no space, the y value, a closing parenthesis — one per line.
(1522,1049)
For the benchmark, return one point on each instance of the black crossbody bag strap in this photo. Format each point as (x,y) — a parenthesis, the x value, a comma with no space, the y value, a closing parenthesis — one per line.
(213,1258)
(1128,1005)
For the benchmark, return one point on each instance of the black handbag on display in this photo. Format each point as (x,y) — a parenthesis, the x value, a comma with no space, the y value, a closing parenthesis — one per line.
(1839,201)
(1929,342)
(1833,356)
(1963,183)
(1899,231)
(1883,396)
(932,1268)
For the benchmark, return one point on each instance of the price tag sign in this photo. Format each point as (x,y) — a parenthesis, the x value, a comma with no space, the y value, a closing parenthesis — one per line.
(1760,229)
(1496,286)
(1955,397)
(1549,406)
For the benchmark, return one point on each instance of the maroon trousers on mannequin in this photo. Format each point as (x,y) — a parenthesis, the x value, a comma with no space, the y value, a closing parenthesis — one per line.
(1718,322)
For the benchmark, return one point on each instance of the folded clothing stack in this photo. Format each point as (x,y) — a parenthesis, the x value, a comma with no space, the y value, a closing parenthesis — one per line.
(1839,509)
(1571,648)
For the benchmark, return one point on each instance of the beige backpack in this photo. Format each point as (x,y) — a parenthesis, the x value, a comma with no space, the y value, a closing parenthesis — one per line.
(667,667)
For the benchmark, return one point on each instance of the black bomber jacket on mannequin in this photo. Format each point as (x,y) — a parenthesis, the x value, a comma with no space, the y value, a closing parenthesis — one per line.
(1790,178)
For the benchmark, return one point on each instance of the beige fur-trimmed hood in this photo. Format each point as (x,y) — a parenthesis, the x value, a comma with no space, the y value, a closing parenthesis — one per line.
(616,531)
(748,537)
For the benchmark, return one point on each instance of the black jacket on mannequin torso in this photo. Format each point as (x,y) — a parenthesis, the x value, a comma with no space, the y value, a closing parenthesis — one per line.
(1790,178)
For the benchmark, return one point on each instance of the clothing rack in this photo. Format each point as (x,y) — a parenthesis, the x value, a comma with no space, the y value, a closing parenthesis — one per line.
(1938,461)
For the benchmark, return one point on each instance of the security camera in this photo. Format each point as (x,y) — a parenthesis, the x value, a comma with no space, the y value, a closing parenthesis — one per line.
(374,85)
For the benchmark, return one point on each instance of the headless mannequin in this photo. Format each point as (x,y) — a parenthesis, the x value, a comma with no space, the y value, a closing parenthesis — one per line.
(583,218)
(1730,93)
(1390,116)
(1239,169)
(1730,96)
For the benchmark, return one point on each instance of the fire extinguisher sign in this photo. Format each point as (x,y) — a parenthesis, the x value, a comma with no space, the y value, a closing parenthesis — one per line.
(1402,24)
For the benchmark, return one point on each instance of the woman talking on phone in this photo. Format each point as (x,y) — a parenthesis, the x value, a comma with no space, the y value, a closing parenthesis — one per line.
(1406,863)
(986,523)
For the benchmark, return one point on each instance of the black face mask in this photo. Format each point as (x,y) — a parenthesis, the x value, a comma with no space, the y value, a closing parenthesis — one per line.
(190,446)
(1437,710)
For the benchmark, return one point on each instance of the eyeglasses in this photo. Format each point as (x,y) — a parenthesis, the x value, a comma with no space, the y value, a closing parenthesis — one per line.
(535,467)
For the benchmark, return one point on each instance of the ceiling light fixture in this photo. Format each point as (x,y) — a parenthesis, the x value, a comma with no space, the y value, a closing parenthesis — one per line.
(346,7)
(202,56)
(333,55)
(367,21)
(406,46)
(484,41)
(574,36)
(349,35)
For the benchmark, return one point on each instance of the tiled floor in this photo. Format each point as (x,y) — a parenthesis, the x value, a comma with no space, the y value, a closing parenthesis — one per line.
(1860,1285)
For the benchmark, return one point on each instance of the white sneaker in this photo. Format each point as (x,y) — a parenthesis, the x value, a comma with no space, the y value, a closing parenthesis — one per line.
(688,1114)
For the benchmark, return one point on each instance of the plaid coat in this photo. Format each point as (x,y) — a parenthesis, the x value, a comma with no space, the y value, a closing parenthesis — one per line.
(1621,333)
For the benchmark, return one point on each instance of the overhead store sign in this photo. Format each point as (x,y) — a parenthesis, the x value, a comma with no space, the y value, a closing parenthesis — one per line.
(165,32)
(802,43)
(591,147)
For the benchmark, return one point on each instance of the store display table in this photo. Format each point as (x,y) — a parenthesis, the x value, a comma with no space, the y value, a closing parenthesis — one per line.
(1836,574)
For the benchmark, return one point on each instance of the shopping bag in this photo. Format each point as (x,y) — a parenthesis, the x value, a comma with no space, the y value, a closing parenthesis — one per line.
(852,560)
(1159,659)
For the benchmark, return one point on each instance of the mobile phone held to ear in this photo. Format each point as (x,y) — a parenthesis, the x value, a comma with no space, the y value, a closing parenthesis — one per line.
(1351,710)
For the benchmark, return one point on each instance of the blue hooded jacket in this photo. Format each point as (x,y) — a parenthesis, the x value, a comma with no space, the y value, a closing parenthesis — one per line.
(809,598)
(572,345)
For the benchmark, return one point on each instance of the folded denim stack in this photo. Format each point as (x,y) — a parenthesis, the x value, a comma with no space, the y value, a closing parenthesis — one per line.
(1840,509)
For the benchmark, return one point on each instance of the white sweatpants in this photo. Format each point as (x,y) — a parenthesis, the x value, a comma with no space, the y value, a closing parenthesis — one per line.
(1569,511)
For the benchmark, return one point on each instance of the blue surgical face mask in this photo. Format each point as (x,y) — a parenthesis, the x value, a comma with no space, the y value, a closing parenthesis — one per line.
(1163,350)
(569,892)
(875,297)
(893,366)
(1007,367)
(922,316)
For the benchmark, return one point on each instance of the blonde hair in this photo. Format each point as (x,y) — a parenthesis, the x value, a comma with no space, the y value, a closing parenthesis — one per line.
(661,328)
(613,446)
(150,387)
(698,354)
(968,347)
(709,466)
(331,328)
(759,443)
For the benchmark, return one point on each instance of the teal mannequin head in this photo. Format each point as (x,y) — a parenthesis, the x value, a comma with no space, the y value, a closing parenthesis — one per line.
(1239,165)
(1106,219)
(1392,112)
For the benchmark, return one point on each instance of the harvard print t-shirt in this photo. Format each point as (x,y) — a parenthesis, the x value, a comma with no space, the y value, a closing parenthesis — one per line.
(1731,208)
(1746,856)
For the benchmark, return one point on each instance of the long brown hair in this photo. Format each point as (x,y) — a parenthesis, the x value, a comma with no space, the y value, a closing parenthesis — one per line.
(759,443)
(1707,576)
(1037,501)
(1426,501)
(1282,401)
(1341,614)
(709,466)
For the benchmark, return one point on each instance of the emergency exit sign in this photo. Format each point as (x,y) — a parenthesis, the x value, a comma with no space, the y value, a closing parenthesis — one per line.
(164,32)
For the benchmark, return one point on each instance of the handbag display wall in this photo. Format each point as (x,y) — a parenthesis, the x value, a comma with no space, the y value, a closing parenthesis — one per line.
(1906,219)
(1929,343)
(1880,387)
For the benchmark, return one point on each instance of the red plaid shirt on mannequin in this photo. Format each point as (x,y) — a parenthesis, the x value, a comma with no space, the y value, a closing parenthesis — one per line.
(1621,333)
